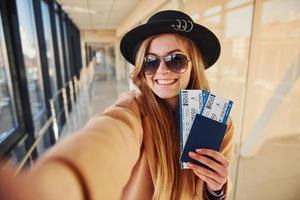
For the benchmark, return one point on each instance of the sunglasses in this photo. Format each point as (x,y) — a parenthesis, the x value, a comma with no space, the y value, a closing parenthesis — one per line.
(176,62)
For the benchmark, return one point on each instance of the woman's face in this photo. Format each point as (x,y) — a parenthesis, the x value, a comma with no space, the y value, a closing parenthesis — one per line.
(164,82)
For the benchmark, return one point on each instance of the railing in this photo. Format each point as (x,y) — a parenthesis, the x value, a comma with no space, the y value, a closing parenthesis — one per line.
(87,78)
(41,134)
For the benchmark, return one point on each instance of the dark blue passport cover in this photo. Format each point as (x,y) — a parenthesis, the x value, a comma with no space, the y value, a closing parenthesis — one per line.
(205,133)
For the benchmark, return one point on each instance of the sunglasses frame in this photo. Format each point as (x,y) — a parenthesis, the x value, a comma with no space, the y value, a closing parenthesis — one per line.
(163,58)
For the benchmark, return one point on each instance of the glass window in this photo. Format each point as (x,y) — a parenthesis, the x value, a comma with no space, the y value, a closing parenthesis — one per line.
(271,124)
(67,49)
(32,64)
(49,46)
(8,119)
(60,48)
(18,153)
(31,55)
(50,52)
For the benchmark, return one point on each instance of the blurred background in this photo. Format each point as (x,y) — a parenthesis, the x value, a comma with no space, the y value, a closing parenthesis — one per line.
(60,64)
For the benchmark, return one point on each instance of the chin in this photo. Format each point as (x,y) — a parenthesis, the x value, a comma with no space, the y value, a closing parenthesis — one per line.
(164,95)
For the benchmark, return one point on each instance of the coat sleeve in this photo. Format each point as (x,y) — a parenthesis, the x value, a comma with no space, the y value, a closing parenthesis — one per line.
(103,153)
(227,149)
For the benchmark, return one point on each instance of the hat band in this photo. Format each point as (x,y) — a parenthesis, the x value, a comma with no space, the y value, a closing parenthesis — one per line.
(183,25)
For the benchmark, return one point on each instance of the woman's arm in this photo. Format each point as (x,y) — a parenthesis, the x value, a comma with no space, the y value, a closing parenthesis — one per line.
(51,181)
(94,163)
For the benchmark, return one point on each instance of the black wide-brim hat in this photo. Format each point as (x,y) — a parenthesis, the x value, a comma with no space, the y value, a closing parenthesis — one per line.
(172,21)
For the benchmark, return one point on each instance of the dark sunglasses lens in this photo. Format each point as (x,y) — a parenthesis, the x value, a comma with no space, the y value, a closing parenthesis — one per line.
(177,62)
(151,63)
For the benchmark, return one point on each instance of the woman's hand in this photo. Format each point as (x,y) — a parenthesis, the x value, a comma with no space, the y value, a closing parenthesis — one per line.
(13,187)
(215,178)
(49,181)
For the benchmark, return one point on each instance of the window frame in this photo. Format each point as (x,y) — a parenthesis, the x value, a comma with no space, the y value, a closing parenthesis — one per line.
(17,70)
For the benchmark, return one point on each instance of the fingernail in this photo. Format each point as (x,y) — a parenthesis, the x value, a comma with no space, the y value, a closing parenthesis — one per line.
(189,165)
(192,153)
(198,150)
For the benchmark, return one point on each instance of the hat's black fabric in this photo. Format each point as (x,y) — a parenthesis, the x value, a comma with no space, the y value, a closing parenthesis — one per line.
(172,21)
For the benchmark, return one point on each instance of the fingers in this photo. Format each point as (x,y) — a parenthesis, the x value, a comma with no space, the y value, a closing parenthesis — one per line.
(214,154)
(209,181)
(217,175)
(207,173)
(209,162)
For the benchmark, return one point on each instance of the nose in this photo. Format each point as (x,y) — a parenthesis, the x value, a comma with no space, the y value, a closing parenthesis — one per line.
(163,68)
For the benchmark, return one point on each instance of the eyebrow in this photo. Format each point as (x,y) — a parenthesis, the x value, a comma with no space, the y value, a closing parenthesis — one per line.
(172,51)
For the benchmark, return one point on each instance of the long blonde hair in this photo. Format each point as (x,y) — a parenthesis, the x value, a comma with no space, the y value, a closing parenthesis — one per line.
(170,179)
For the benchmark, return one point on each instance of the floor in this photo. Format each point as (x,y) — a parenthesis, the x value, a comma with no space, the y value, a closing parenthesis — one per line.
(274,173)
(92,100)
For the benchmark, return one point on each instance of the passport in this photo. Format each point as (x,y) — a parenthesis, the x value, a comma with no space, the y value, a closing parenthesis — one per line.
(204,133)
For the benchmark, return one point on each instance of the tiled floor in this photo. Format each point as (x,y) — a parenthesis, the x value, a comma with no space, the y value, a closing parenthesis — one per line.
(92,100)
(274,173)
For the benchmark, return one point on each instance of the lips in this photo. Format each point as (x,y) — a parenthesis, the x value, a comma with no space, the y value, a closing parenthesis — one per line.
(165,81)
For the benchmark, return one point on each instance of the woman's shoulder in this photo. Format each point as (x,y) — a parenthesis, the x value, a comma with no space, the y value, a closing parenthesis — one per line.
(126,100)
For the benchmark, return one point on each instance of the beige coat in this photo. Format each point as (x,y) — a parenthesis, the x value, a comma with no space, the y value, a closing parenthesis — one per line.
(110,155)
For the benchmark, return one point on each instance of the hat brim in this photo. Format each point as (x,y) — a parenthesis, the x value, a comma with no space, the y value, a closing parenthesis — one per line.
(206,40)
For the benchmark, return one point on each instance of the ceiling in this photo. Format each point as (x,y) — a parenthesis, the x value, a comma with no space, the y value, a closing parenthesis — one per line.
(98,14)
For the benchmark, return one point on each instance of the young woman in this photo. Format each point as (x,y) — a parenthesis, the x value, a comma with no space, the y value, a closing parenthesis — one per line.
(131,150)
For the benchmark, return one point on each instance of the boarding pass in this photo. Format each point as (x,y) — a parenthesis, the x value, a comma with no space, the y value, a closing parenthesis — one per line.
(191,103)
(217,108)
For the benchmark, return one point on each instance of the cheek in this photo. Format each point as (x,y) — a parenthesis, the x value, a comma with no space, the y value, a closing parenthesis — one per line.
(185,79)
(149,81)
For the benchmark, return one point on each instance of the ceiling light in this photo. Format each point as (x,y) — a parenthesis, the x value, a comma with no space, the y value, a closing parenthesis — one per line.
(78,9)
